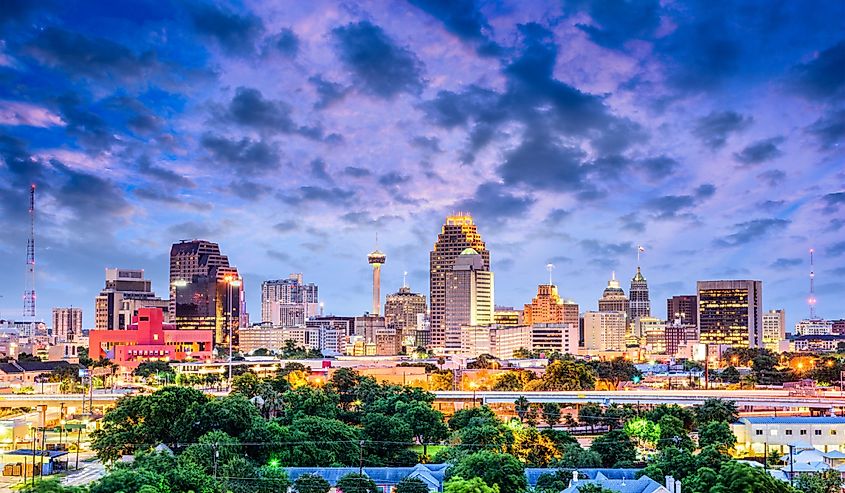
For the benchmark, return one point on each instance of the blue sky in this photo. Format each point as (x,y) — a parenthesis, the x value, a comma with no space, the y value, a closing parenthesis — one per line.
(712,133)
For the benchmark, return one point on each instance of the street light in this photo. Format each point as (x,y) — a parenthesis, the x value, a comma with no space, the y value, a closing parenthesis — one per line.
(474,387)
(231,282)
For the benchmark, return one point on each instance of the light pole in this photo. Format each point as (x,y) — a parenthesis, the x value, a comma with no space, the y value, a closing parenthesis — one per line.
(231,282)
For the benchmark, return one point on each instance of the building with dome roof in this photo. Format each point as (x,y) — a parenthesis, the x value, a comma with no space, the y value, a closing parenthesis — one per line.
(613,298)
(469,297)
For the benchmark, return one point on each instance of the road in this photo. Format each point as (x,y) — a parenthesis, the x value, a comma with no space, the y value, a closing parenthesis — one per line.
(88,472)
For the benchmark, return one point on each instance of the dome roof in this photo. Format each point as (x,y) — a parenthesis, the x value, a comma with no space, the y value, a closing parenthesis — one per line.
(469,251)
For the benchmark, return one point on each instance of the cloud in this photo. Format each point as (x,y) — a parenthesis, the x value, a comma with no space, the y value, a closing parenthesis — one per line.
(713,130)
(463,19)
(823,77)
(250,109)
(235,33)
(91,57)
(748,231)
(430,144)
(829,129)
(379,66)
(632,222)
(617,22)
(329,92)
(541,163)
(20,113)
(669,206)
(772,177)
(286,226)
(556,216)
(785,263)
(246,155)
(356,172)
(285,42)
(836,249)
(163,175)
(332,195)
(832,201)
(494,202)
(319,171)
(607,249)
(658,167)
(760,151)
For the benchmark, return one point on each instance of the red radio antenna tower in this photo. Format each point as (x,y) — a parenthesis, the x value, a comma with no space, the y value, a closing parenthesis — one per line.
(29,289)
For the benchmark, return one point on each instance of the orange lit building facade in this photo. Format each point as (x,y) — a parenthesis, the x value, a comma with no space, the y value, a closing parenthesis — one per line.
(548,308)
(148,338)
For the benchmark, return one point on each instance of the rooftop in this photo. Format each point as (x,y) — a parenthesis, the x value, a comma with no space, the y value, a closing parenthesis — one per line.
(795,420)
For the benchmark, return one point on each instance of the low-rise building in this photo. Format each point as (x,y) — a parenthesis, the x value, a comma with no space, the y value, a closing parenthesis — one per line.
(827,343)
(754,435)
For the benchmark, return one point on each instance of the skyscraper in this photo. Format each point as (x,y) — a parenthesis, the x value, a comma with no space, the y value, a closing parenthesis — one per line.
(125,292)
(639,304)
(284,295)
(401,310)
(730,312)
(548,308)
(683,308)
(67,324)
(613,298)
(605,331)
(774,329)
(376,259)
(457,234)
(469,297)
(206,291)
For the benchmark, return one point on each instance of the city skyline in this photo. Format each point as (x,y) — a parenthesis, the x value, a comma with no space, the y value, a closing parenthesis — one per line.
(292,137)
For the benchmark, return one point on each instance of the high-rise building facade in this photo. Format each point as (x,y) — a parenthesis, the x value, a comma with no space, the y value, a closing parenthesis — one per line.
(683,308)
(730,312)
(457,234)
(774,329)
(613,298)
(639,304)
(288,302)
(548,308)
(401,310)
(126,291)
(605,331)
(207,293)
(67,324)
(469,297)
(506,316)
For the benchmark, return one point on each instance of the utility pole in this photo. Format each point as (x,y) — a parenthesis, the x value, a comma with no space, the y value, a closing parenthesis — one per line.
(361,457)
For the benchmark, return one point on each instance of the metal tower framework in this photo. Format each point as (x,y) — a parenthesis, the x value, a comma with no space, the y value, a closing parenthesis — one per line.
(29,285)
(811,300)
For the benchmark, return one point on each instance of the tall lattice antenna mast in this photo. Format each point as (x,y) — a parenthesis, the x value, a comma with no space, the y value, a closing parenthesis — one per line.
(811,300)
(29,289)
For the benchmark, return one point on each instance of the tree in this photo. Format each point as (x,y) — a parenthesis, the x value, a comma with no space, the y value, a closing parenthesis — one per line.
(716,410)
(513,381)
(590,414)
(311,483)
(411,485)
(553,482)
(388,440)
(615,371)
(686,415)
(51,486)
(736,477)
(533,448)
(462,417)
(551,413)
(248,384)
(149,369)
(521,406)
(485,435)
(574,456)
(567,374)
(458,484)
(130,481)
(673,434)
(671,461)
(614,447)
(503,470)
(484,362)
(426,423)
(356,483)
(730,375)
(441,380)
(643,430)
(717,434)
(829,481)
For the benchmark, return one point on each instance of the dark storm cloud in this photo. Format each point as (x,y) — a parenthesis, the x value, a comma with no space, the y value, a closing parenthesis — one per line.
(617,22)
(829,129)
(393,178)
(319,171)
(543,164)
(658,167)
(833,201)
(329,92)
(749,231)
(772,177)
(823,77)
(333,195)
(249,108)
(493,202)
(836,249)
(785,263)
(463,19)
(246,189)
(760,151)
(556,216)
(234,32)
(91,57)
(431,144)
(603,249)
(356,172)
(284,42)
(379,66)
(162,174)
(714,129)
(632,222)
(451,109)
(245,155)
(82,122)
(669,206)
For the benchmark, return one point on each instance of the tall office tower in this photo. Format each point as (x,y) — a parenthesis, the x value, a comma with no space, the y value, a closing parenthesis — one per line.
(206,292)
(639,304)
(683,308)
(613,299)
(679,334)
(278,294)
(605,331)
(125,292)
(457,234)
(67,324)
(548,308)
(469,297)
(774,329)
(730,312)
(376,259)
(400,312)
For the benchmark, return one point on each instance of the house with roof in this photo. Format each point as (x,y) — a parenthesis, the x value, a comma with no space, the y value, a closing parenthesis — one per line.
(16,374)
(777,434)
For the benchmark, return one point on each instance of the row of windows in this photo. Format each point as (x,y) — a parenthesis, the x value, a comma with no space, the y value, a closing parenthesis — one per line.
(817,433)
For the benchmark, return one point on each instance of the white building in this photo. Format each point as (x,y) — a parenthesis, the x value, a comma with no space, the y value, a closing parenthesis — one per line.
(498,341)
(774,329)
(67,323)
(469,297)
(604,331)
(278,295)
(814,327)
(755,434)
(548,338)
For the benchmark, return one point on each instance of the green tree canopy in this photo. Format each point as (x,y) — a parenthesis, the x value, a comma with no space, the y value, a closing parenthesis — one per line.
(151,368)
(462,417)
(311,483)
(673,434)
(614,447)
(356,483)
(458,484)
(686,415)
(615,371)
(503,470)
(716,410)
(829,481)
(411,485)
(717,434)
(568,374)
